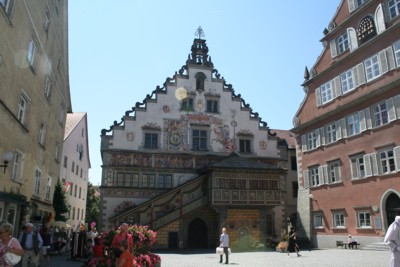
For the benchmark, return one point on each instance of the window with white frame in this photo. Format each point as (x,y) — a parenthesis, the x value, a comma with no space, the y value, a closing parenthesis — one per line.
(326,92)
(148,180)
(346,79)
(48,188)
(338,220)
(22,109)
(396,48)
(314,176)
(47,88)
(164,181)
(61,119)
(318,220)
(387,161)
(380,114)
(311,140)
(353,124)
(16,174)
(372,69)
(330,131)
(334,174)
(394,8)
(42,133)
(357,167)
(187,104)
(7,6)
(151,140)
(38,175)
(244,145)
(363,219)
(199,139)
(30,55)
(343,43)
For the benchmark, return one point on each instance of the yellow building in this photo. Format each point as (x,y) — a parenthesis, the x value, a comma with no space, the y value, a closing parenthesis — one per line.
(34,101)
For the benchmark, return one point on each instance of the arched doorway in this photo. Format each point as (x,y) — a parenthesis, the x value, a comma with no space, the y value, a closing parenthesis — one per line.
(197,234)
(243,238)
(392,207)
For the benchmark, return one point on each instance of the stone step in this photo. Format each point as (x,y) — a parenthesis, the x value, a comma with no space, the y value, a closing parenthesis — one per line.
(376,246)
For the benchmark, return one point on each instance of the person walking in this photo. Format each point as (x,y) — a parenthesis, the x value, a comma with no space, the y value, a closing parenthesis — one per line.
(224,243)
(8,243)
(293,246)
(392,239)
(44,251)
(31,241)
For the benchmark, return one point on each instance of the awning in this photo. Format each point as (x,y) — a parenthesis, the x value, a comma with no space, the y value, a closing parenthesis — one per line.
(42,206)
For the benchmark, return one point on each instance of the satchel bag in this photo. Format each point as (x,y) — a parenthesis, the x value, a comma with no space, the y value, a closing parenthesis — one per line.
(220,251)
(11,258)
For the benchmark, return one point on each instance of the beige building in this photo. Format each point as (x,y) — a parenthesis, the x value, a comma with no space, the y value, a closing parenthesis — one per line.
(75,166)
(193,157)
(34,101)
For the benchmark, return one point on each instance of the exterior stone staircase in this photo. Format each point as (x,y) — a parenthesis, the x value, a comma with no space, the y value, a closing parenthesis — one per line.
(376,246)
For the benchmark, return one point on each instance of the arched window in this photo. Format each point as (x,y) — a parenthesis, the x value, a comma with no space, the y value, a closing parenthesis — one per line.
(366,30)
(200,77)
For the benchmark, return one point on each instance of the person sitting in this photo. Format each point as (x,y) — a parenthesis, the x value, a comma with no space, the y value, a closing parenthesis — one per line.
(351,242)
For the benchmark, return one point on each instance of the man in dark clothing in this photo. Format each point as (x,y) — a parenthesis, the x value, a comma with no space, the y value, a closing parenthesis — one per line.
(31,242)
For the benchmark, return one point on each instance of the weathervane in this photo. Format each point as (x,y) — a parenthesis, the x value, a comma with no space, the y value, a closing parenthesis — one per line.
(199,32)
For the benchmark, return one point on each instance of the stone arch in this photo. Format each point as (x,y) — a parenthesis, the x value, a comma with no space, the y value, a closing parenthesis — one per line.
(197,234)
(390,200)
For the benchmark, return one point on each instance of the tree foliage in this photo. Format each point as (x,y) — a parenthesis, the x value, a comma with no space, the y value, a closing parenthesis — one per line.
(92,205)
(60,204)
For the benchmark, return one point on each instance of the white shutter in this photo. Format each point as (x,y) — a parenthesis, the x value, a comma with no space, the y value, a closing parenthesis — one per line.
(304,142)
(396,152)
(352,5)
(390,109)
(352,37)
(318,137)
(338,130)
(337,88)
(306,179)
(338,173)
(368,120)
(379,19)
(343,128)
(353,169)
(322,135)
(318,96)
(383,61)
(355,77)
(374,163)
(320,175)
(396,103)
(361,73)
(325,174)
(390,58)
(363,122)
(367,165)
(333,48)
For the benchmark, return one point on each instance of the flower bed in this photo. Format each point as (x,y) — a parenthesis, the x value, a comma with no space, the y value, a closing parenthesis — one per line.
(143,239)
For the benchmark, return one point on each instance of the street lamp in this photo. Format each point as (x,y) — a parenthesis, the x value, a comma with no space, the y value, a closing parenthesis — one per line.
(7,157)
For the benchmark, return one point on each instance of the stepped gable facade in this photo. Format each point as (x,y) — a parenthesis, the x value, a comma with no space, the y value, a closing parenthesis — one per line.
(191,158)
(347,127)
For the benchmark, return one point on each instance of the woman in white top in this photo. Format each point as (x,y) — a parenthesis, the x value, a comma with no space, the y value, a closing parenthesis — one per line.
(224,243)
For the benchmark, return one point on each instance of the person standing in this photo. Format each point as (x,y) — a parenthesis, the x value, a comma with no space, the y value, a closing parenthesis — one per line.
(224,243)
(31,241)
(126,258)
(118,238)
(44,251)
(392,239)
(293,246)
(8,243)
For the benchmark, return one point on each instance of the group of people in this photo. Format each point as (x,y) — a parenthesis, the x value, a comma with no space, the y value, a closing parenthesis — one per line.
(31,245)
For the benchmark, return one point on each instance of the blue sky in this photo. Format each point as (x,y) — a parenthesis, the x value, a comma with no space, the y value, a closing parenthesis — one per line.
(120,51)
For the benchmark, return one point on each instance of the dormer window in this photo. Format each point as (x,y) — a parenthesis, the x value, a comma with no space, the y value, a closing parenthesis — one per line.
(366,30)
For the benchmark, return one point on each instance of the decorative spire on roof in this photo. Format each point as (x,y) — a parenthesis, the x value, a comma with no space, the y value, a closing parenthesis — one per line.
(199,55)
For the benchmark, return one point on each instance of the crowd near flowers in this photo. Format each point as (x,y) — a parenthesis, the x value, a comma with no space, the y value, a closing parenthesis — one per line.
(143,239)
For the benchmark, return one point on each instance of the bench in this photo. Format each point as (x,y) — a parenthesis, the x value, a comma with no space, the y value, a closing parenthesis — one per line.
(344,245)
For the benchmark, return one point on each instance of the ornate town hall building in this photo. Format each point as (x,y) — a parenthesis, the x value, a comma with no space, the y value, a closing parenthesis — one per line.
(193,157)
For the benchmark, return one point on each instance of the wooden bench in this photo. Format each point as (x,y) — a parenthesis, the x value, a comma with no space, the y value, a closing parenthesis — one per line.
(345,245)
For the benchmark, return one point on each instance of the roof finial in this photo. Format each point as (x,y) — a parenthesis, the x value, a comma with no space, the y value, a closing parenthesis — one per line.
(199,32)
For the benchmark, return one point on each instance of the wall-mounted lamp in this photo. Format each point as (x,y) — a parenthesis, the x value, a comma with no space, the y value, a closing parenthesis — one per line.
(7,157)
(311,196)
(375,208)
